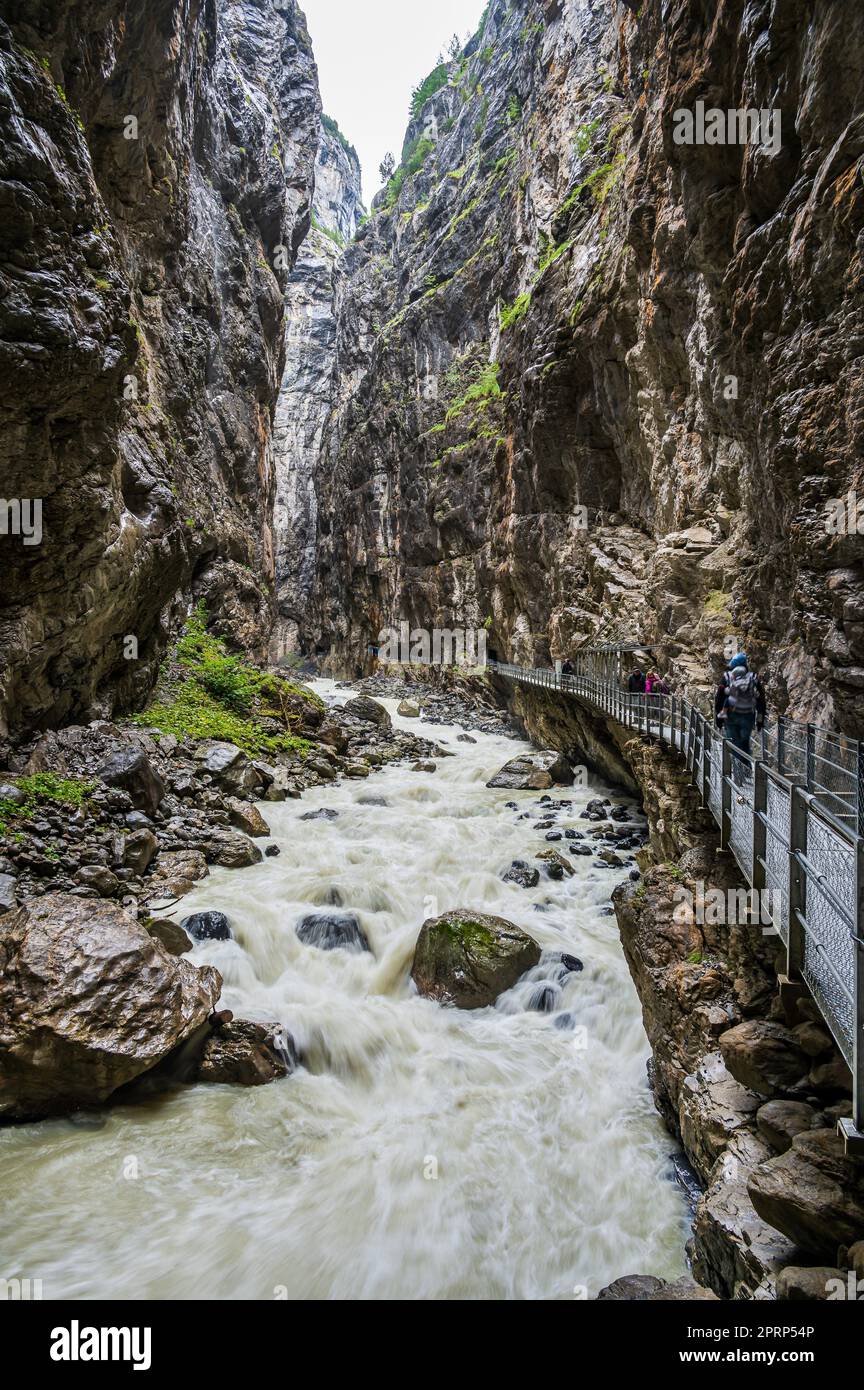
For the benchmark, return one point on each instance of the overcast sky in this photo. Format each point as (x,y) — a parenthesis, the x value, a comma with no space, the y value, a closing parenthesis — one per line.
(371,54)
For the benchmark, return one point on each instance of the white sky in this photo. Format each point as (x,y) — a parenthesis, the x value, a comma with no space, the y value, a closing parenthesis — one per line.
(371,54)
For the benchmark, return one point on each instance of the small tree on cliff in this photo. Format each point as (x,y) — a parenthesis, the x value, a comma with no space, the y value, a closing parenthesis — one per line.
(387,168)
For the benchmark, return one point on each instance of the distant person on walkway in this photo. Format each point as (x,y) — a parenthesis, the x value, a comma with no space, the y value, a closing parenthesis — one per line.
(740,703)
(636,683)
(567,669)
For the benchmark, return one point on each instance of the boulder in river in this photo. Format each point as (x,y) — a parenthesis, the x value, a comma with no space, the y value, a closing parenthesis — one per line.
(409,709)
(332,931)
(534,771)
(522,874)
(88,1002)
(207,926)
(369,711)
(468,958)
(242,1053)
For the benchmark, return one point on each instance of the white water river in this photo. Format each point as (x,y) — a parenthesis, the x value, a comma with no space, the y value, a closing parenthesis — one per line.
(419,1152)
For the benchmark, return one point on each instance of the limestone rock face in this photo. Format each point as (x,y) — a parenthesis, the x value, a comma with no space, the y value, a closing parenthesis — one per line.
(308,384)
(468,958)
(159,167)
(88,1001)
(670,328)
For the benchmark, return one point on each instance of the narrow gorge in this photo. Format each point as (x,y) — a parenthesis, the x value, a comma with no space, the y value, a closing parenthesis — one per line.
(332,967)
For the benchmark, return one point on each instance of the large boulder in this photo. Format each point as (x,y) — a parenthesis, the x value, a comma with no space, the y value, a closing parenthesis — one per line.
(88,1002)
(764,1056)
(332,931)
(369,711)
(647,1288)
(813,1193)
(534,771)
(131,771)
(468,958)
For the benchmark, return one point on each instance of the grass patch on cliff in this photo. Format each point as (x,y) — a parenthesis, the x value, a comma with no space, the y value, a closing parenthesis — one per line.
(208,693)
(334,236)
(510,314)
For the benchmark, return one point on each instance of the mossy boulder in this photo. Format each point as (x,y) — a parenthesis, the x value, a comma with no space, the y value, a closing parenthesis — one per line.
(468,958)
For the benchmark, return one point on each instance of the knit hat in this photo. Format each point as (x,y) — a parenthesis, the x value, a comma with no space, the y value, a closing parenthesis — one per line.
(739,661)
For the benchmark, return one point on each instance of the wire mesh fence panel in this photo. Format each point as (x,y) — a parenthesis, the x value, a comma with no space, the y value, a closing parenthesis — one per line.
(829,950)
(777,815)
(741,806)
(715,791)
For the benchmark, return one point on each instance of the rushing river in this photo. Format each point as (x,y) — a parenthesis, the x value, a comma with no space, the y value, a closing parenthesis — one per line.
(420,1152)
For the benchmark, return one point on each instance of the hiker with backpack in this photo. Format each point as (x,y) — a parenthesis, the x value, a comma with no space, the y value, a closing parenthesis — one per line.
(740,703)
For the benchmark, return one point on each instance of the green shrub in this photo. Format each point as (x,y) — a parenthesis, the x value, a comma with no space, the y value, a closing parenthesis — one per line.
(437,79)
(414,157)
(212,694)
(332,127)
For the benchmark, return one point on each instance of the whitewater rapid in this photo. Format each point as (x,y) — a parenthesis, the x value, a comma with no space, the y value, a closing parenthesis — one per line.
(419,1152)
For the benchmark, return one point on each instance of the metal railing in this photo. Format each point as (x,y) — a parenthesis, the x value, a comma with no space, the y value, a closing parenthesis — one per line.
(792,818)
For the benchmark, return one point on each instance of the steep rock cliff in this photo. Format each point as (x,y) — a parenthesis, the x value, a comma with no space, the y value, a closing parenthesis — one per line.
(307,389)
(556,307)
(156,177)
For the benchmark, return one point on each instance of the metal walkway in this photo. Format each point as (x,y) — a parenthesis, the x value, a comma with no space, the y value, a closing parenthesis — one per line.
(792,816)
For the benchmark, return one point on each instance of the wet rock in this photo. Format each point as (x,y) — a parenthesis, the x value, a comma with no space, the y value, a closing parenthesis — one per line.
(557,867)
(247,818)
(232,851)
(323,814)
(779,1121)
(98,877)
(533,772)
(522,874)
(813,1193)
(764,1056)
(543,999)
(646,1288)
(369,711)
(572,964)
(465,738)
(88,1002)
(272,852)
(372,801)
(424,767)
(8,884)
(171,936)
(409,709)
(553,836)
(332,931)
(243,1053)
(129,769)
(582,851)
(207,926)
(468,958)
(139,849)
